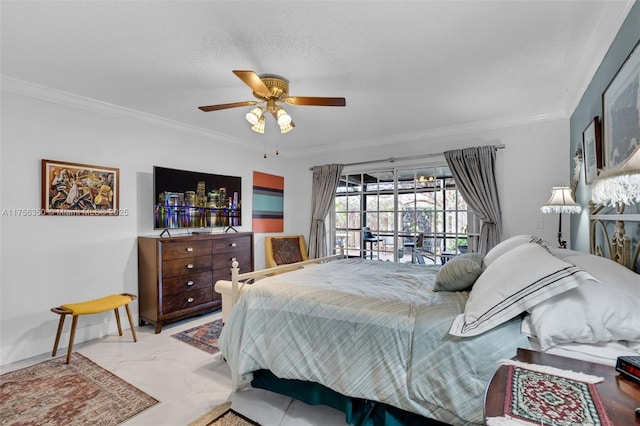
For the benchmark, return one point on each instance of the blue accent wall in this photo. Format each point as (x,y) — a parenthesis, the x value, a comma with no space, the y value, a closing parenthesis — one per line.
(590,106)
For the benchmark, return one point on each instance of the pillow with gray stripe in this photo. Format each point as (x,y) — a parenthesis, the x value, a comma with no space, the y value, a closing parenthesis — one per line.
(516,281)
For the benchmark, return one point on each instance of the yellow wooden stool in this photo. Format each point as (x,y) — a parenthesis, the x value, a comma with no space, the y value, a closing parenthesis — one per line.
(92,307)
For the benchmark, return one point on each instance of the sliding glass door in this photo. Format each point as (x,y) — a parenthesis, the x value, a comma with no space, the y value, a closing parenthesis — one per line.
(401,214)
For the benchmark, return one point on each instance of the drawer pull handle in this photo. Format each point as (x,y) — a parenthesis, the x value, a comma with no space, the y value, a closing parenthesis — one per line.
(189,283)
(189,300)
(233,244)
(190,266)
(189,249)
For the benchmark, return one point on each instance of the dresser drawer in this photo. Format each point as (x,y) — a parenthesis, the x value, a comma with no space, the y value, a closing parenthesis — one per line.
(224,272)
(232,244)
(182,249)
(187,299)
(176,275)
(223,261)
(191,265)
(186,282)
(221,274)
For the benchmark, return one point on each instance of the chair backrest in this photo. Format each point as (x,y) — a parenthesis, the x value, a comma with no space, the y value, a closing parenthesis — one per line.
(284,250)
(366,232)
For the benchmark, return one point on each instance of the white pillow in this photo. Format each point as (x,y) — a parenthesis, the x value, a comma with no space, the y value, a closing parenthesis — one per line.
(601,268)
(506,245)
(518,280)
(592,313)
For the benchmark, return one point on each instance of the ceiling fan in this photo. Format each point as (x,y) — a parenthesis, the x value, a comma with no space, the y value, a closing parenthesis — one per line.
(271,89)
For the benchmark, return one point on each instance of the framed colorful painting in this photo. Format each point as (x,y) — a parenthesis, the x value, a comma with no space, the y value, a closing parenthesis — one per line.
(74,189)
(621,112)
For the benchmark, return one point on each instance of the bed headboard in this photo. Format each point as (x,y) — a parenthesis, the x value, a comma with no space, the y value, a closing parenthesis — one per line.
(615,233)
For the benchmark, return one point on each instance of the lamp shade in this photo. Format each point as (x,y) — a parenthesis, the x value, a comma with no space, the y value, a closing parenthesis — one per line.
(254,115)
(620,185)
(259,126)
(561,201)
(283,118)
(286,128)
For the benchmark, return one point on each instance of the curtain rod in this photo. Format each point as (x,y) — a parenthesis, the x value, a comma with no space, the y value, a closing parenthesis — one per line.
(410,157)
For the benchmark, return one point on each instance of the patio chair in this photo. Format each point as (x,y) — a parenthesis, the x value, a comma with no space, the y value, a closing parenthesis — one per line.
(368,237)
(420,249)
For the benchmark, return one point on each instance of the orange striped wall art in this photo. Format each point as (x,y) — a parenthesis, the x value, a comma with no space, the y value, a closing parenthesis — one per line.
(268,202)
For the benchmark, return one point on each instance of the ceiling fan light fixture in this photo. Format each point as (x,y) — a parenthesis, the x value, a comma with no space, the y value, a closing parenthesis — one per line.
(283,118)
(286,128)
(270,90)
(259,126)
(254,116)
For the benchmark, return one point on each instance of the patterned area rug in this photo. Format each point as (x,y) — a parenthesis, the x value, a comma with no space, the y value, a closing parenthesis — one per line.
(203,337)
(223,415)
(544,399)
(78,393)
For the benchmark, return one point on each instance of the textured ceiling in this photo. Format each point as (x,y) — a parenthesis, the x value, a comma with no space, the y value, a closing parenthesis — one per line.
(407,69)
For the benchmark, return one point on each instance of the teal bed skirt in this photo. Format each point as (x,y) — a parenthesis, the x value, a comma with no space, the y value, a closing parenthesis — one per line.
(358,412)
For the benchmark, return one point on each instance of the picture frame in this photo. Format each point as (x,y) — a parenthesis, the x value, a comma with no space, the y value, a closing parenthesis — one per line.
(592,150)
(75,189)
(620,111)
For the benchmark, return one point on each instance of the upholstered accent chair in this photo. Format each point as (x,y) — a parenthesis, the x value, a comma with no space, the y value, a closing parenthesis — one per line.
(284,250)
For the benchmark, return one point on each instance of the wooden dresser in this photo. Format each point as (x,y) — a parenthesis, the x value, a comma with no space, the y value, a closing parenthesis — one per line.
(176,275)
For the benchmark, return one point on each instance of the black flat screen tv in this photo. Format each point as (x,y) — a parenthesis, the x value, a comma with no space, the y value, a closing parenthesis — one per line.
(189,199)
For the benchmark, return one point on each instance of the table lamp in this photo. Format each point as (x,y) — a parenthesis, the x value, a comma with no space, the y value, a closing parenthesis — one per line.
(561,201)
(620,185)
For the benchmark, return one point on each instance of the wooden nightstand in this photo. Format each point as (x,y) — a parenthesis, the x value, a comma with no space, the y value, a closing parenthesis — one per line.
(620,396)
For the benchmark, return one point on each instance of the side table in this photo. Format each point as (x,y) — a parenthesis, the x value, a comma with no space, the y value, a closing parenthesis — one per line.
(619,395)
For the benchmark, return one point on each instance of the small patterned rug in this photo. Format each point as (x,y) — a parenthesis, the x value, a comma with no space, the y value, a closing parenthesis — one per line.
(223,415)
(544,399)
(78,393)
(203,337)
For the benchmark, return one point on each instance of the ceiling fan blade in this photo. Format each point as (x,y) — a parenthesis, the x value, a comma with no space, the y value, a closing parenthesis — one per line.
(226,106)
(314,101)
(252,80)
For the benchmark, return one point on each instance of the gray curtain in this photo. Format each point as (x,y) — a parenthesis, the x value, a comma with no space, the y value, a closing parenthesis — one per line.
(474,172)
(325,182)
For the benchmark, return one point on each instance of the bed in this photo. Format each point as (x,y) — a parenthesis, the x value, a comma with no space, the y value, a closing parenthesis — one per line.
(392,343)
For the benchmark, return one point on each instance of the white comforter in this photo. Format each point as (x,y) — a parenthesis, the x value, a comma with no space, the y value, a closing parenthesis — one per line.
(367,329)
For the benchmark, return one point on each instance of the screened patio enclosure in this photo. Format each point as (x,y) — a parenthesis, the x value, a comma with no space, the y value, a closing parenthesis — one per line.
(414,214)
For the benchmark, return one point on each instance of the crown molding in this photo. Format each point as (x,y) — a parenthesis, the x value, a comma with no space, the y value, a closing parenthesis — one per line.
(27,89)
(47,94)
(606,30)
(442,132)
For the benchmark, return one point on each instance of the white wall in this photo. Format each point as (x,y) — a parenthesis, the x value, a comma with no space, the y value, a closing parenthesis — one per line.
(534,160)
(48,261)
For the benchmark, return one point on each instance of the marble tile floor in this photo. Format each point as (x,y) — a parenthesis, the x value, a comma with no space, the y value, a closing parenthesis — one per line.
(187,381)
